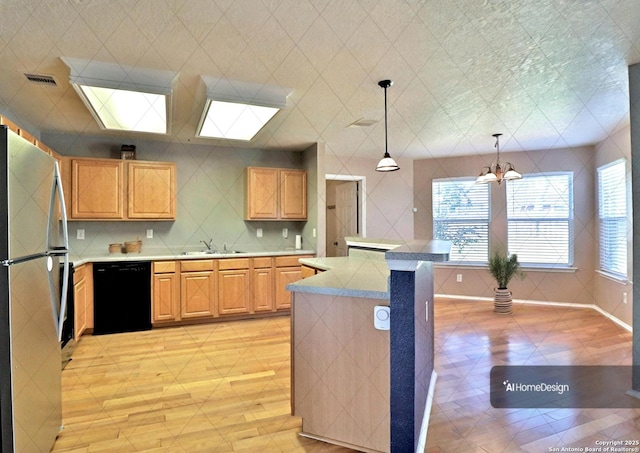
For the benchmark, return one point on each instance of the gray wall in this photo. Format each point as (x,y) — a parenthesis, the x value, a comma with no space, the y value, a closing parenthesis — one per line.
(211,187)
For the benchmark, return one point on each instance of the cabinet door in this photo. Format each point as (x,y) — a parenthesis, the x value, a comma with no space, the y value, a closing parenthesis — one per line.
(151,190)
(262,193)
(197,295)
(293,194)
(262,289)
(284,276)
(165,298)
(80,309)
(97,189)
(233,295)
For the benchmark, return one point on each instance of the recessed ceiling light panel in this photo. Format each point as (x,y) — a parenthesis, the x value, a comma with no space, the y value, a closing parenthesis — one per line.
(124,98)
(238,110)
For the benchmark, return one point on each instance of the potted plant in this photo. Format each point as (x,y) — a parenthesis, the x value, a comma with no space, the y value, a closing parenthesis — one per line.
(504,268)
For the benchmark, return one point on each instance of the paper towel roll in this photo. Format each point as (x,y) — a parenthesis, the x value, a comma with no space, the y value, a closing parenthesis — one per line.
(298,241)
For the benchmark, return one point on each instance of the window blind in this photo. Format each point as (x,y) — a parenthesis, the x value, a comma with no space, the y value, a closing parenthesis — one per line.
(540,218)
(461,215)
(612,214)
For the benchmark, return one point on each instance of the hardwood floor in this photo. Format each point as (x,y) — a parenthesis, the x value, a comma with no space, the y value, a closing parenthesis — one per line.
(470,339)
(220,387)
(224,387)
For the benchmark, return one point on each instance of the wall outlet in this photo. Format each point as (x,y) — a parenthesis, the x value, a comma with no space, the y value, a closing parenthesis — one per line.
(314,232)
(459,278)
(259,232)
(285,233)
(150,233)
(80,233)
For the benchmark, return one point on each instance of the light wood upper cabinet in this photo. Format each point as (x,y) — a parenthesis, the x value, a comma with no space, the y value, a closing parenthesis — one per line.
(293,194)
(97,189)
(276,194)
(113,189)
(262,194)
(152,190)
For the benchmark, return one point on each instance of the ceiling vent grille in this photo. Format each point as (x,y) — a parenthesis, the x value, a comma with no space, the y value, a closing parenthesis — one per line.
(40,79)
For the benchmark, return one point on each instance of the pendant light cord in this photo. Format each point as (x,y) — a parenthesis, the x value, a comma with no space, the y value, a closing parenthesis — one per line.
(386,149)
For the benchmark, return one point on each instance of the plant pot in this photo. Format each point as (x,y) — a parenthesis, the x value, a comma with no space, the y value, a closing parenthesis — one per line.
(502,301)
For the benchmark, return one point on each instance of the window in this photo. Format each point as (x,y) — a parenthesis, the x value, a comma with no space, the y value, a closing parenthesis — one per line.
(612,214)
(461,215)
(540,218)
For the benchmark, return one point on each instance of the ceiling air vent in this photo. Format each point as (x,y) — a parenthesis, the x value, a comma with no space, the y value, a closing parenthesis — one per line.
(363,122)
(41,79)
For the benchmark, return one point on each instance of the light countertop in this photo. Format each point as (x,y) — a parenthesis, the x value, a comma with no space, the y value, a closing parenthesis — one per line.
(346,276)
(162,255)
(365,273)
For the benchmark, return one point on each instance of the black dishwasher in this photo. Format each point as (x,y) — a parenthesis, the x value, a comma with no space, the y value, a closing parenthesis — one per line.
(122,297)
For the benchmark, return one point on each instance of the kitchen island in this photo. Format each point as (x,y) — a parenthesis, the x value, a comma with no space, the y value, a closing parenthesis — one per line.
(352,384)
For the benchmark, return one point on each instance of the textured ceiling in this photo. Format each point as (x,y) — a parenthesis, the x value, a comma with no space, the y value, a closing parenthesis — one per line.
(545,73)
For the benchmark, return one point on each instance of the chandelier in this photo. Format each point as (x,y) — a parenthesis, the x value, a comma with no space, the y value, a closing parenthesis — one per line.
(499,171)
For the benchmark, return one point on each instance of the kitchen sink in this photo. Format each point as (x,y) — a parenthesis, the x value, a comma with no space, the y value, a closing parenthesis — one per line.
(202,252)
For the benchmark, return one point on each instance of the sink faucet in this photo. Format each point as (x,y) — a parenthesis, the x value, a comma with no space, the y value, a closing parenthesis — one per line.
(209,245)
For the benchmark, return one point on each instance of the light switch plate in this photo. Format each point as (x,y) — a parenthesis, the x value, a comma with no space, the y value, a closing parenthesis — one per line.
(381,317)
(285,233)
(80,233)
(149,233)
(259,232)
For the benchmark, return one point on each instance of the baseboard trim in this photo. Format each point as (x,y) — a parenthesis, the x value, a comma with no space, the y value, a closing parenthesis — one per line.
(595,307)
(422,440)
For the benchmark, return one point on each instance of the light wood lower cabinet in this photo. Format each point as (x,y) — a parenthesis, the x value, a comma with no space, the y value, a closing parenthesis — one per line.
(288,270)
(197,289)
(262,284)
(166,292)
(82,299)
(233,286)
(191,290)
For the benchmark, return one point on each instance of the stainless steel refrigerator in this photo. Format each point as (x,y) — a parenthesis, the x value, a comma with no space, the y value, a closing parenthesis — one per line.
(33,246)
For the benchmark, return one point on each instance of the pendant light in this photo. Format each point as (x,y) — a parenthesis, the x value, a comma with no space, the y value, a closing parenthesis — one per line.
(386,163)
(500,172)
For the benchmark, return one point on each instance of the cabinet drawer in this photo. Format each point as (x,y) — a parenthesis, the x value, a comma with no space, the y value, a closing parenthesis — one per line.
(233,263)
(196,265)
(288,261)
(261,263)
(164,267)
(79,274)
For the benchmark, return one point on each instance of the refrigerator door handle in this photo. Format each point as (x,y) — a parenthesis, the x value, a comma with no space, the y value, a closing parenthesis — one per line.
(22,259)
(56,250)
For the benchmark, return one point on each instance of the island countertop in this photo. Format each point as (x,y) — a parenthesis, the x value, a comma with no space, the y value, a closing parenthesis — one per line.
(365,274)
(346,276)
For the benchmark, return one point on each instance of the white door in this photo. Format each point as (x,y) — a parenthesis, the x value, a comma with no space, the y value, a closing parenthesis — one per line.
(346,216)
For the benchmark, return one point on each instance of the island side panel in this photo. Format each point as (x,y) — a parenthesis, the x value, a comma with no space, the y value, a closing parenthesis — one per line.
(340,370)
(424,342)
(412,353)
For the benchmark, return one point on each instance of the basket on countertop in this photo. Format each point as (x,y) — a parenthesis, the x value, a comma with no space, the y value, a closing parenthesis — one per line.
(115,248)
(133,246)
